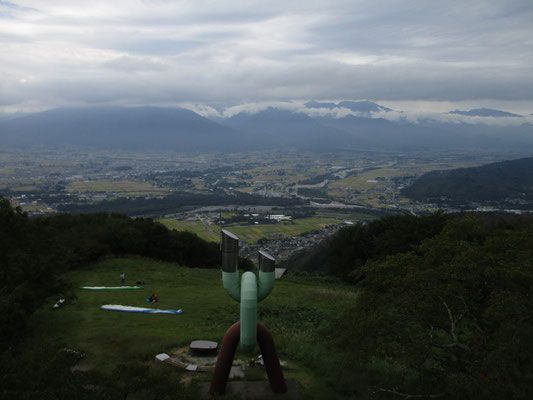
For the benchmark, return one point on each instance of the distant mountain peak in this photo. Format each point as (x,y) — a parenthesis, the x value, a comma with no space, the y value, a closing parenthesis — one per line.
(364,106)
(484,112)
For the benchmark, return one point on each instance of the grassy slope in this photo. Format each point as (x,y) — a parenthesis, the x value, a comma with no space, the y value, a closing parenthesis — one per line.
(294,311)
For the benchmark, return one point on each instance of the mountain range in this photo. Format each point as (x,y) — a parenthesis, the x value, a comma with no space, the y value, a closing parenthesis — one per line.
(180,129)
(484,112)
(119,127)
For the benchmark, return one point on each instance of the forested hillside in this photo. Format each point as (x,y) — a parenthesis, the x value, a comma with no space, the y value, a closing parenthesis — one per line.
(353,246)
(510,182)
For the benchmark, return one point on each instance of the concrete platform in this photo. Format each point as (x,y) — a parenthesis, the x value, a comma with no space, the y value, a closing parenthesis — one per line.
(203,346)
(248,390)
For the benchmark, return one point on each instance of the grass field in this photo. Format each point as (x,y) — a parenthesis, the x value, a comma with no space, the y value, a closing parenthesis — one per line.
(20,185)
(295,311)
(360,182)
(192,226)
(198,184)
(251,233)
(276,173)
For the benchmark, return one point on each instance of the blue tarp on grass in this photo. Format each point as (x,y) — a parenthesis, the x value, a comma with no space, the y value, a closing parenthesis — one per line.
(116,307)
(110,287)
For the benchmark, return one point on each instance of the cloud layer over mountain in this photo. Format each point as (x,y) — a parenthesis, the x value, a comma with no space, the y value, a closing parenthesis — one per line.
(261,128)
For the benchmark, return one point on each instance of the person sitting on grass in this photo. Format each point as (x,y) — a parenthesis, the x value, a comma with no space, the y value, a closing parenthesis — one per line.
(153,298)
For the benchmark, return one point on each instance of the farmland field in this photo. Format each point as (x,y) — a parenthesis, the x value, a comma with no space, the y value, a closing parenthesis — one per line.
(252,233)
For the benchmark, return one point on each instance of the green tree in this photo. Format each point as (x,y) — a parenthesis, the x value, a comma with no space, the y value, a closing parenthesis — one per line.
(450,318)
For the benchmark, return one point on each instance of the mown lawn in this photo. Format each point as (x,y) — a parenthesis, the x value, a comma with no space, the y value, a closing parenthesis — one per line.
(296,312)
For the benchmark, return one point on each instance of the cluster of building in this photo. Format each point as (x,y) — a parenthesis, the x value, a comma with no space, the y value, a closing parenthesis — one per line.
(282,247)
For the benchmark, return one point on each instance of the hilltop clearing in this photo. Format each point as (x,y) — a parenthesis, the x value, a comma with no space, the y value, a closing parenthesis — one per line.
(125,344)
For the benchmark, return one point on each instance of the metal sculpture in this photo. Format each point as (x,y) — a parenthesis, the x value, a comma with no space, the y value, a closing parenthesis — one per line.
(248,331)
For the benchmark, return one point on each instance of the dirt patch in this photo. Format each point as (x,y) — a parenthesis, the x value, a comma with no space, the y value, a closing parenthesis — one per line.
(82,367)
(186,379)
(184,355)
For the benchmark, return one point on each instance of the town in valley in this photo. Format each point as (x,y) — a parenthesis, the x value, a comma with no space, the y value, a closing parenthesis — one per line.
(300,197)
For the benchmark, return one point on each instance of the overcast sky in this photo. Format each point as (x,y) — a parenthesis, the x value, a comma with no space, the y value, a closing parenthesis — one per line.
(425,54)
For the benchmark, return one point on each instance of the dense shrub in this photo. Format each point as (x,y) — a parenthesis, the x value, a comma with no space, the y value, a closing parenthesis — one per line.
(449,318)
(353,246)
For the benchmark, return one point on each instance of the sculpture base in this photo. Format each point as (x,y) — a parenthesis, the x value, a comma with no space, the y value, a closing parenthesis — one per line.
(227,353)
(257,390)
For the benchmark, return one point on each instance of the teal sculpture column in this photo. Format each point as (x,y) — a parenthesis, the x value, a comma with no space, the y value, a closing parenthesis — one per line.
(248,293)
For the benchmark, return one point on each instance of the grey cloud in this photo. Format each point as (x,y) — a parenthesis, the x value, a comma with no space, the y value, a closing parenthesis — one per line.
(161,47)
(134,64)
(235,52)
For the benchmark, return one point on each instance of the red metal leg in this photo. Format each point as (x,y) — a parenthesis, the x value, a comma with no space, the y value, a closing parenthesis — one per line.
(270,357)
(225,359)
